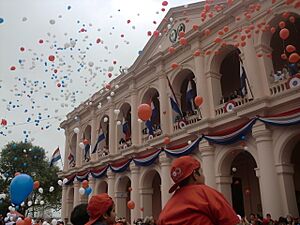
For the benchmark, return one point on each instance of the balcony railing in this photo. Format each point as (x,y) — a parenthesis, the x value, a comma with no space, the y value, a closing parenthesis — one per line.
(124,145)
(188,121)
(239,101)
(279,87)
(146,137)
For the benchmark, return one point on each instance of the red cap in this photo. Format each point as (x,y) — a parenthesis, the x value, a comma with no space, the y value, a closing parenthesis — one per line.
(98,205)
(181,169)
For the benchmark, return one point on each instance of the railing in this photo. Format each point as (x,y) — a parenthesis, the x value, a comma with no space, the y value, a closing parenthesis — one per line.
(239,101)
(102,152)
(146,137)
(124,145)
(279,87)
(188,121)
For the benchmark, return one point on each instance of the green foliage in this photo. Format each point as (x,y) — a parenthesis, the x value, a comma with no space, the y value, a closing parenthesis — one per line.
(26,158)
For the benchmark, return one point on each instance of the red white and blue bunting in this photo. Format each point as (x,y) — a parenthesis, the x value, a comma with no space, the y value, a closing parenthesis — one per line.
(224,137)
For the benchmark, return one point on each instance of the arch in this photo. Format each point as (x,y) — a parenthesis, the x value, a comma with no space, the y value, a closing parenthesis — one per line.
(146,91)
(103,127)
(122,196)
(87,132)
(124,129)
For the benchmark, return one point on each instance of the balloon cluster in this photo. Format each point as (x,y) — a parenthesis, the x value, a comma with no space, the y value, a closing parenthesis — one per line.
(85,189)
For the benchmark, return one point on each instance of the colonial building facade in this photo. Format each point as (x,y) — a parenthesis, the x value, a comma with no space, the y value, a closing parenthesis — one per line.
(246,133)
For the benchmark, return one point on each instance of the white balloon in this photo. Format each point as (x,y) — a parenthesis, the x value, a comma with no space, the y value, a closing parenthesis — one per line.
(189,142)
(65,180)
(23,203)
(117,111)
(13,209)
(81,191)
(36,202)
(81,145)
(140,121)
(233,169)
(10,208)
(105,119)
(76,130)
(51,189)
(118,122)
(91,64)
(171,19)
(42,202)
(29,203)
(41,190)
(111,68)
(54,222)
(169,26)
(112,93)
(59,182)
(108,97)
(116,86)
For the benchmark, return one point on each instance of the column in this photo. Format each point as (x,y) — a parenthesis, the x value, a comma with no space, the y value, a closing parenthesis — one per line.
(271,203)
(112,130)
(146,199)
(165,106)
(94,135)
(76,192)
(135,174)
(111,183)
(285,173)
(258,80)
(67,150)
(166,182)
(207,153)
(214,90)
(68,205)
(135,125)
(201,82)
(79,151)
(64,207)
(224,186)
(92,184)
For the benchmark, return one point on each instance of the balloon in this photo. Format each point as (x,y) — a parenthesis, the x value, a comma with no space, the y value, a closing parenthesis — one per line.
(41,190)
(42,202)
(65,180)
(284,34)
(51,189)
(54,222)
(1,20)
(273,30)
(76,130)
(164,3)
(166,140)
(292,19)
(85,184)
(144,112)
(183,41)
(195,27)
(81,191)
(281,24)
(198,101)
(27,221)
(21,186)
(130,204)
(59,182)
(290,48)
(81,145)
(20,222)
(12,68)
(51,58)
(3,122)
(294,58)
(283,56)
(88,191)
(86,141)
(174,65)
(36,184)
(29,203)
(197,53)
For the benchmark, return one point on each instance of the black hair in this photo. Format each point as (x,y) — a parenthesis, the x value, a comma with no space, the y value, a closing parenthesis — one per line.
(79,215)
(186,180)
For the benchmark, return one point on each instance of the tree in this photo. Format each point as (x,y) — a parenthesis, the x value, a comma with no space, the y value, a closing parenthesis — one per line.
(26,158)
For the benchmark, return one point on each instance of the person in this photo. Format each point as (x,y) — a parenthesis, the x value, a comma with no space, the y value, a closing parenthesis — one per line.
(194,203)
(268,220)
(79,215)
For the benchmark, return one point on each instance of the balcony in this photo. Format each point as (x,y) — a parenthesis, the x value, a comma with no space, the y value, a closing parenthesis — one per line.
(279,87)
(220,110)
(188,120)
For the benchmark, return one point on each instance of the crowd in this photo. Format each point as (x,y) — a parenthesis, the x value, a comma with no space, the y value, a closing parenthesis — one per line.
(192,203)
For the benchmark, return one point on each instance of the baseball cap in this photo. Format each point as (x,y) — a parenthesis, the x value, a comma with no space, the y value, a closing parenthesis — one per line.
(182,168)
(98,205)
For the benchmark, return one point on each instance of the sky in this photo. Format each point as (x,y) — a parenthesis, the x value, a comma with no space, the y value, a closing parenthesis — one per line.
(55,54)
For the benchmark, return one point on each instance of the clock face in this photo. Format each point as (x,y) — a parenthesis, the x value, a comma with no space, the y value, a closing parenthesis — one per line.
(181,27)
(173,35)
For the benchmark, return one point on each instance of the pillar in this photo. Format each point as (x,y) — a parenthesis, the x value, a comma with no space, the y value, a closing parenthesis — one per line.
(271,203)
(207,154)
(135,125)
(79,151)
(214,90)
(166,182)
(111,183)
(64,208)
(112,130)
(92,184)
(135,174)
(224,186)
(285,173)
(68,204)
(201,82)
(76,192)
(165,105)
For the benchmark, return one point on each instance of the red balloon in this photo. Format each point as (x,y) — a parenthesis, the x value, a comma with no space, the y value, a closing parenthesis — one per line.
(130,204)
(183,41)
(195,27)
(198,101)
(98,40)
(197,53)
(22,49)
(27,221)
(181,34)
(58,84)
(108,86)
(207,32)
(36,184)
(273,30)
(166,140)
(292,19)
(281,24)
(175,65)
(294,58)
(243,43)
(290,48)
(283,56)
(85,184)
(171,50)
(41,41)
(12,68)
(20,222)
(17,174)
(284,34)
(109,75)
(156,33)
(149,33)
(86,141)
(3,122)
(226,29)
(51,58)
(164,3)
(285,15)
(144,112)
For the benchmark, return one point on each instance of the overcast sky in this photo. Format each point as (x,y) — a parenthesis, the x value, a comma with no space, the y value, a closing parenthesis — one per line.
(85,37)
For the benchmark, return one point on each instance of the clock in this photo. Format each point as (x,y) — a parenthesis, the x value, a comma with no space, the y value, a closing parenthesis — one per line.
(173,36)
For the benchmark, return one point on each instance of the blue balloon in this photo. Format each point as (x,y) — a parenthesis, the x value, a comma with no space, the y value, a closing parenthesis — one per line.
(88,191)
(20,187)
(1,20)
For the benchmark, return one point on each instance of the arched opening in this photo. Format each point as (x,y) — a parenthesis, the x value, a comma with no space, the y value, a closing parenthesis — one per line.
(102,187)
(295,160)
(231,82)
(152,126)
(122,197)
(124,129)
(103,137)
(245,185)
(72,153)
(151,194)
(283,66)
(87,134)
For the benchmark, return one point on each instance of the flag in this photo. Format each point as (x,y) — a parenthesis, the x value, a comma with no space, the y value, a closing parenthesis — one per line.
(175,106)
(126,130)
(55,156)
(243,90)
(71,158)
(87,151)
(101,138)
(154,111)
(150,127)
(190,96)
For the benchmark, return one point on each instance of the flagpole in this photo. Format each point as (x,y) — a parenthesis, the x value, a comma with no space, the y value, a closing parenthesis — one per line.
(60,158)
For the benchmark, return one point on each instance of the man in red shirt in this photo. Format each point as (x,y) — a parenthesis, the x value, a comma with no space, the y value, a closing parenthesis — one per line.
(194,203)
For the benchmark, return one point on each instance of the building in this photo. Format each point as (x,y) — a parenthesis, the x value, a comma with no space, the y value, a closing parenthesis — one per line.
(229,60)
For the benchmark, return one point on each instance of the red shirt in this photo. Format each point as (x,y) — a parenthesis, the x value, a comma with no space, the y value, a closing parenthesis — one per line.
(197,204)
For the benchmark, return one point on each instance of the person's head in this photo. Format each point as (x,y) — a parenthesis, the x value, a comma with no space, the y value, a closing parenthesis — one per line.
(268,216)
(186,170)
(252,216)
(79,215)
(101,208)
